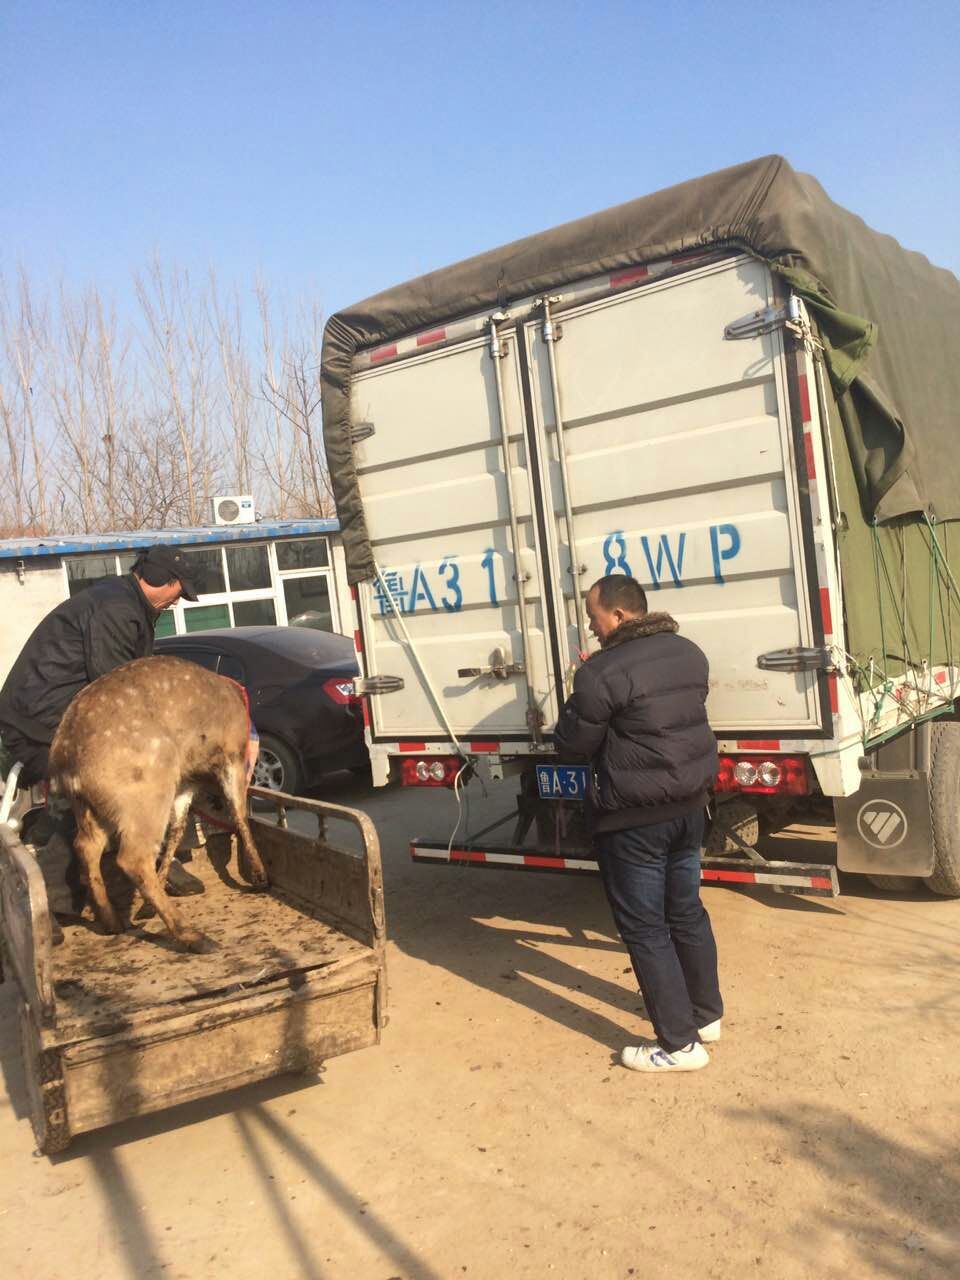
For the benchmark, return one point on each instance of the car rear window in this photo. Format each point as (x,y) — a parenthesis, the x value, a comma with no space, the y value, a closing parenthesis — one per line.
(232,667)
(202,657)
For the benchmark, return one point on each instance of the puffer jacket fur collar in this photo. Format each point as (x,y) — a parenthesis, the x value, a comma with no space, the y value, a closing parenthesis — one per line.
(651,624)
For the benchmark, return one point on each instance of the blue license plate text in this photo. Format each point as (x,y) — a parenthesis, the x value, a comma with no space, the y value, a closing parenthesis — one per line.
(562,781)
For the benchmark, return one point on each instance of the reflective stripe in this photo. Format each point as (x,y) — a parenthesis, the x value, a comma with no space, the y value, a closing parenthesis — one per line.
(807,878)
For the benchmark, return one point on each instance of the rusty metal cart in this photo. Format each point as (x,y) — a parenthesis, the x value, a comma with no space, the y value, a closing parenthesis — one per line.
(119,1027)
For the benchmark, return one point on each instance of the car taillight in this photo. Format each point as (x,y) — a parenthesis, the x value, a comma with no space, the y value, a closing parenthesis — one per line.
(340,691)
(764,775)
(429,771)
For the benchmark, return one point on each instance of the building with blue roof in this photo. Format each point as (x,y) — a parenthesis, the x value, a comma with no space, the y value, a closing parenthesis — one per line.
(267,572)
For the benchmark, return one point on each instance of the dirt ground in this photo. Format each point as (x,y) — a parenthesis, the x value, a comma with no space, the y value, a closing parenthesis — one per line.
(492,1134)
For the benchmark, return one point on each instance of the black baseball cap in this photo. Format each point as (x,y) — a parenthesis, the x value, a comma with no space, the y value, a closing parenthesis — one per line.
(157,565)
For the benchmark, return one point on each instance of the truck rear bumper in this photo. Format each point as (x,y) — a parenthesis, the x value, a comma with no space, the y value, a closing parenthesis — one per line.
(783,877)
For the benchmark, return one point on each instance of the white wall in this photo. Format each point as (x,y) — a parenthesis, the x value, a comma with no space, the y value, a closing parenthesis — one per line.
(23,605)
(347,619)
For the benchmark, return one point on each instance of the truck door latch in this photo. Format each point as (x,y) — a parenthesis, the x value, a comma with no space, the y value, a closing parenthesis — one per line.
(499,668)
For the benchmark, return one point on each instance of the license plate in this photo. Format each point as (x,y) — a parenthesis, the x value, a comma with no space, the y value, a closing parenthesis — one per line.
(562,781)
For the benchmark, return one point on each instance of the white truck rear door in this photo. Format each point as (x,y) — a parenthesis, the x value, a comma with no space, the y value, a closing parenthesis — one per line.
(681,473)
(436,504)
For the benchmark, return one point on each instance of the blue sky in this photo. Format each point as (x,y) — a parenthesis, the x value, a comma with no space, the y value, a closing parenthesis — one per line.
(339,148)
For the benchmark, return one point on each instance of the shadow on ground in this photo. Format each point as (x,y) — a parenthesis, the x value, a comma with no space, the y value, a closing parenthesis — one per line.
(896,1205)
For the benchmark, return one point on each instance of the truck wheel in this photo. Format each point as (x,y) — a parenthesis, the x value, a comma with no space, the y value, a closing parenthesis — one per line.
(737,816)
(276,768)
(945,809)
(895,884)
(561,828)
(48,1102)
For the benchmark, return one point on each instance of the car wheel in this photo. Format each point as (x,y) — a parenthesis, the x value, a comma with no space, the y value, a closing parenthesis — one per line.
(276,768)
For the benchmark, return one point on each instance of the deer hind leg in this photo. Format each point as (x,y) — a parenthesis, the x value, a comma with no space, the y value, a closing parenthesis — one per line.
(90,843)
(139,843)
(179,815)
(233,781)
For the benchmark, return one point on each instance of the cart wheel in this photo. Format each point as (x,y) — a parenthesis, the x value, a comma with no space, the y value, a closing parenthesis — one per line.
(44,1077)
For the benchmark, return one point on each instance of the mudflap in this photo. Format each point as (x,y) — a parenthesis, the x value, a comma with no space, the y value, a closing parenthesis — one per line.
(784,877)
(885,828)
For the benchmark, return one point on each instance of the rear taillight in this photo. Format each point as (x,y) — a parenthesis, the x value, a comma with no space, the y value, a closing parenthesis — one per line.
(341,691)
(764,775)
(430,771)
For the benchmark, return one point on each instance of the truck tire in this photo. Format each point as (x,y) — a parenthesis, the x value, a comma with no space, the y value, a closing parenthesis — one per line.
(895,884)
(945,809)
(737,816)
(561,828)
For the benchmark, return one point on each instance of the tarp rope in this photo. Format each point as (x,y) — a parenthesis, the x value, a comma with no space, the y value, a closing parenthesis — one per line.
(940,582)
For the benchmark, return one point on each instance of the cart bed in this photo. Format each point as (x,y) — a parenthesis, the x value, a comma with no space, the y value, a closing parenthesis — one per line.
(101,984)
(115,1027)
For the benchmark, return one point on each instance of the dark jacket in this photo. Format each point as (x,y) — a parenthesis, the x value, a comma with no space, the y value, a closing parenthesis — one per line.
(81,639)
(637,712)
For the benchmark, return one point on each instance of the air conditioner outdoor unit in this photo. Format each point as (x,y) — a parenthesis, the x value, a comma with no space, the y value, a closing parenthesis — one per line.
(234,508)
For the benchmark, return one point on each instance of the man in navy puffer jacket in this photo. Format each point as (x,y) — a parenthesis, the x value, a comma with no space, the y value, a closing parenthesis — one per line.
(637,712)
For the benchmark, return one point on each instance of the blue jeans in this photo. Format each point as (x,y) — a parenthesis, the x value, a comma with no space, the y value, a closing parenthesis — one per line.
(652,879)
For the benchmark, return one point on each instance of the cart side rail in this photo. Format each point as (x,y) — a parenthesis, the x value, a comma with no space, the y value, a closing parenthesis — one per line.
(26,932)
(344,884)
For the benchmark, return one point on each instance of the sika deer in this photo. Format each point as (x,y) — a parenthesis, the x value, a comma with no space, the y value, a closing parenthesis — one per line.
(130,751)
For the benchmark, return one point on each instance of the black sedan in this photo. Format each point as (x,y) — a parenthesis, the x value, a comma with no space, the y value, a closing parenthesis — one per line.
(300,684)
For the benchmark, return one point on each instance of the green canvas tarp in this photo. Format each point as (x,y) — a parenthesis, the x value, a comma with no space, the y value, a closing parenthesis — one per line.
(889,318)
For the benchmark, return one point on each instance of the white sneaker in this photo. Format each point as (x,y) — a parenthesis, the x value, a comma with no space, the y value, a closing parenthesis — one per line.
(653,1058)
(709,1034)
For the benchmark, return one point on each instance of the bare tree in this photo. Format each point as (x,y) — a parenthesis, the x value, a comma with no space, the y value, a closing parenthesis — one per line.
(150,475)
(273,454)
(69,391)
(295,397)
(109,401)
(235,367)
(101,430)
(85,394)
(178,354)
(23,343)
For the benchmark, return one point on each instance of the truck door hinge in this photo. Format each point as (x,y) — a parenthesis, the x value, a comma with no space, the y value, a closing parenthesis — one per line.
(551,332)
(499,348)
(362,431)
(766,320)
(363,685)
(797,659)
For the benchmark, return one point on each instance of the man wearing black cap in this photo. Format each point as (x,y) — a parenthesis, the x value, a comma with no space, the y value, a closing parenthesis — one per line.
(81,639)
